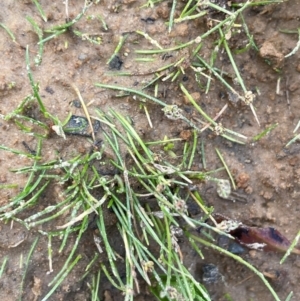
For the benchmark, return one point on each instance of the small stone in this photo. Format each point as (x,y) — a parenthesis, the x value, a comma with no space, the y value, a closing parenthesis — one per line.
(249,190)
(82,56)
(253,253)
(269,51)
(211,273)
(236,248)
(267,195)
(116,63)
(49,90)
(163,11)
(185,134)
(76,103)
(78,125)
(283,185)
(242,180)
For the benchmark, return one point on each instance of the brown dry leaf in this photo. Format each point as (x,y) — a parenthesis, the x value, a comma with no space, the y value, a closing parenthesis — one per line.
(264,239)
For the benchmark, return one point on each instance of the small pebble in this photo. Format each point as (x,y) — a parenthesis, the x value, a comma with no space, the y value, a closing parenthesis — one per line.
(211,273)
(82,57)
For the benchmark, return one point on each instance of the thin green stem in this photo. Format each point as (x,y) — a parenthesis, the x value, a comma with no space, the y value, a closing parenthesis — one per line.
(124,89)
(26,266)
(227,169)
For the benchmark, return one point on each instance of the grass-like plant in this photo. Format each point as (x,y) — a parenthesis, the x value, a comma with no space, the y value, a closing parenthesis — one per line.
(149,233)
(138,224)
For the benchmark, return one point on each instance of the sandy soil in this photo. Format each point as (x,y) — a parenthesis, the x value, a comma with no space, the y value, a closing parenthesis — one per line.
(266,172)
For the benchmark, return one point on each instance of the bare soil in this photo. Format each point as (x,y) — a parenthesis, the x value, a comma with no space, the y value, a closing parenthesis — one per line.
(266,172)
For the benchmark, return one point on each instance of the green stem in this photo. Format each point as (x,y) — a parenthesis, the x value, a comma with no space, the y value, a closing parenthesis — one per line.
(237,73)
(131,91)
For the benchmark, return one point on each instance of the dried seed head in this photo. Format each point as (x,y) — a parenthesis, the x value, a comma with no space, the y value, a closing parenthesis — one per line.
(223,188)
(249,97)
(180,205)
(219,129)
(172,112)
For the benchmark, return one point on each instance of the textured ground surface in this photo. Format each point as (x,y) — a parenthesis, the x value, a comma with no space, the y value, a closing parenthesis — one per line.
(268,175)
